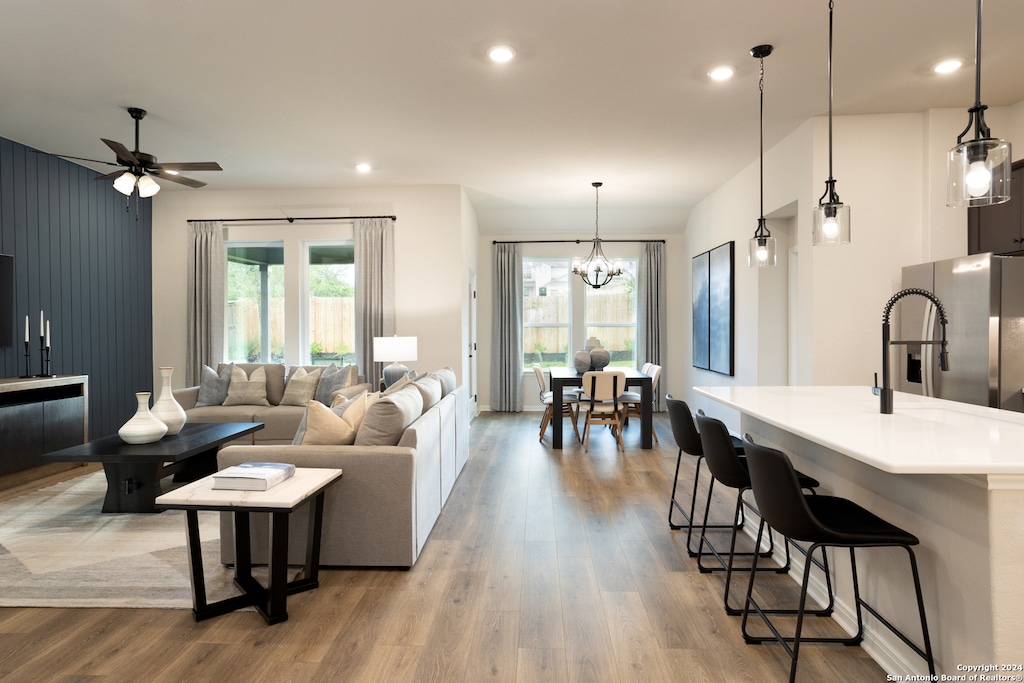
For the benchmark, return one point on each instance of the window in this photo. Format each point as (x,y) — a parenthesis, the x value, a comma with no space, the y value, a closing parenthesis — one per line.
(255,302)
(331,303)
(611,315)
(546,312)
(560,312)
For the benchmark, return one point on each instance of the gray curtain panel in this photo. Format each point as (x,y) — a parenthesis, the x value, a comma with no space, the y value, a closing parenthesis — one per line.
(651,311)
(207,265)
(507,354)
(375,289)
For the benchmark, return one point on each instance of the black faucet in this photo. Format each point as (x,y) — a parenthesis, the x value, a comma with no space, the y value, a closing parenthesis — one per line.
(886,393)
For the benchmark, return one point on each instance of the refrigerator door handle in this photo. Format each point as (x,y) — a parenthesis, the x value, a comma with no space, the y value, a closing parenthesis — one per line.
(927,358)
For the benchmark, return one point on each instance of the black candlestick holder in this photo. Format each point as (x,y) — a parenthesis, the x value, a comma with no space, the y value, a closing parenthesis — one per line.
(49,368)
(26,375)
(42,356)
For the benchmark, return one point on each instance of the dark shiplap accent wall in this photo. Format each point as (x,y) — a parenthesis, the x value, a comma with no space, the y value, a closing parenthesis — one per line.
(87,263)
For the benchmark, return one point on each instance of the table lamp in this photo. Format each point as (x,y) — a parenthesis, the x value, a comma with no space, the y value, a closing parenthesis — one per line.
(396,350)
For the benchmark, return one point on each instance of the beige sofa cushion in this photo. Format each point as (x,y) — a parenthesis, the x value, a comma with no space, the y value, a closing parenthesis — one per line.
(430,389)
(388,416)
(247,391)
(448,381)
(275,378)
(300,387)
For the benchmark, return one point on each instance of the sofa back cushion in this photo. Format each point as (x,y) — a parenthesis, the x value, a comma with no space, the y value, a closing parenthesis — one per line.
(275,378)
(429,387)
(388,416)
(448,381)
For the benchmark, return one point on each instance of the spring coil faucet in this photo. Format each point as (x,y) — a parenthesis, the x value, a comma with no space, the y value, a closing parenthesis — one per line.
(886,393)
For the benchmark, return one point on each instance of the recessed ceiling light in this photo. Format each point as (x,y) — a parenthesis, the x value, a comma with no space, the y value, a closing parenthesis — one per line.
(501,53)
(364,168)
(948,66)
(720,73)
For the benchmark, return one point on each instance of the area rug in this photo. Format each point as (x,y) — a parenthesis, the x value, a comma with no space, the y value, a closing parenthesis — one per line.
(58,550)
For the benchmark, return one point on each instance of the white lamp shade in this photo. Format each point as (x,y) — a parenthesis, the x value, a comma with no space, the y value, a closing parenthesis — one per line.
(979,173)
(831,224)
(147,186)
(393,349)
(125,183)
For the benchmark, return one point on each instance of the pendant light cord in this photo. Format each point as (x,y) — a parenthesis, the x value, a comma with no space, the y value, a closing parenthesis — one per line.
(976,114)
(831,8)
(760,86)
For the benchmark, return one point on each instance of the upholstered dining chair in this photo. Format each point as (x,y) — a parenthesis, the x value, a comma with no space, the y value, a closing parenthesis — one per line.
(633,399)
(570,404)
(601,400)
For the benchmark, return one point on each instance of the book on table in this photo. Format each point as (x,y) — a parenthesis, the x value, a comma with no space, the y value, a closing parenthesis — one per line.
(253,476)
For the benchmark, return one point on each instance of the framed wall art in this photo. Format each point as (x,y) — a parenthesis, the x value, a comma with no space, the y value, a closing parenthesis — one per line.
(713,308)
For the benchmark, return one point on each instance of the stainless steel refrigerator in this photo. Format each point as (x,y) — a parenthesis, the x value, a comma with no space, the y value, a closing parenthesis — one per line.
(983,296)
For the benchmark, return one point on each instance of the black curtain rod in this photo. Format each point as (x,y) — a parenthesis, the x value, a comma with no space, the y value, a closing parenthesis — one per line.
(569,241)
(290,219)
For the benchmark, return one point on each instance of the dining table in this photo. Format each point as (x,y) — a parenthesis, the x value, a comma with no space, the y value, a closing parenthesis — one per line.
(563,377)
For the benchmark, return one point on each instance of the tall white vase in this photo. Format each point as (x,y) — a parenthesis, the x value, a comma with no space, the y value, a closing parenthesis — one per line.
(166,409)
(143,427)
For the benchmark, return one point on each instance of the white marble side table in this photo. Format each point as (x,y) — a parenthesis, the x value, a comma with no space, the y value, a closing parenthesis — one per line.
(308,484)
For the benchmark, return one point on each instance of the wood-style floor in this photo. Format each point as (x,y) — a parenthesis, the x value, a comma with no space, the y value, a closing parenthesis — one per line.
(544,566)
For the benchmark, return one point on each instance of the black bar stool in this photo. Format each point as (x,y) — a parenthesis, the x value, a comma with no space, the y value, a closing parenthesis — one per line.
(730,469)
(688,440)
(823,521)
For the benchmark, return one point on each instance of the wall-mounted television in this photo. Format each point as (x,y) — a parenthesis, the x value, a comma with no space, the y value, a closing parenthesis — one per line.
(6,300)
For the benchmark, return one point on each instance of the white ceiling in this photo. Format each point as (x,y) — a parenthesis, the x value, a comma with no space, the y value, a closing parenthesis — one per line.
(294,94)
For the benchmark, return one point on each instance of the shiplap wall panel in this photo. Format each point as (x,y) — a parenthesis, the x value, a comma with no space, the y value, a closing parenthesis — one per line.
(87,263)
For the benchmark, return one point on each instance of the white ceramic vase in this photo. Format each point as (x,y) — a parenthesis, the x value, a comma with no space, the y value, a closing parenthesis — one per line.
(143,427)
(166,409)
(591,344)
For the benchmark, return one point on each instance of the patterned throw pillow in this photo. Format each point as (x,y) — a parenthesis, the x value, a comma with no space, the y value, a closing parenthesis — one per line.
(301,387)
(247,391)
(213,388)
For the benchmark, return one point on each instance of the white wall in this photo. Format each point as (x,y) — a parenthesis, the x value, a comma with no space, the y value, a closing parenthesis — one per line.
(435,246)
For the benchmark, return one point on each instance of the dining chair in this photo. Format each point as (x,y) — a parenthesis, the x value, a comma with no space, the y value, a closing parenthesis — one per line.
(601,400)
(570,404)
(634,399)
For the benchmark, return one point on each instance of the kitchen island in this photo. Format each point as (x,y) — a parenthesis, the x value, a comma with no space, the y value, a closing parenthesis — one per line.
(951,473)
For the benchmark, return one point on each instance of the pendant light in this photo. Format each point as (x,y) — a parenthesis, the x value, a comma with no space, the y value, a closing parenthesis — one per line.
(762,251)
(831,216)
(978,170)
(596,270)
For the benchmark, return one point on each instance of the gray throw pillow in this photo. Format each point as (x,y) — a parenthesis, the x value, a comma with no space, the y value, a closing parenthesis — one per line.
(213,387)
(332,379)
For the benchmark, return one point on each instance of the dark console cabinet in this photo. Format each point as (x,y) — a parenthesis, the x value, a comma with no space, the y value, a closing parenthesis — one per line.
(39,415)
(999,228)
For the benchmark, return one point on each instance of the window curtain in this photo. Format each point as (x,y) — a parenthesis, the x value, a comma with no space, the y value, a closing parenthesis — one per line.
(207,266)
(375,289)
(507,355)
(651,311)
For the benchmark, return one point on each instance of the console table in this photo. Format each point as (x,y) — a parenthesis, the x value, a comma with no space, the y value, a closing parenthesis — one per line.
(308,484)
(41,414)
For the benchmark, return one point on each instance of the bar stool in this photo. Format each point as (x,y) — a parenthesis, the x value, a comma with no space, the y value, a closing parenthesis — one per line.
(688,440)
(823,521)
(731,470)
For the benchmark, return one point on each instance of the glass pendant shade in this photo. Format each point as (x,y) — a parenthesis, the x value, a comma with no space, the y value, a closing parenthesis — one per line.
(125,183)
(762,252)
(979,173)
(147,186)
(831,224)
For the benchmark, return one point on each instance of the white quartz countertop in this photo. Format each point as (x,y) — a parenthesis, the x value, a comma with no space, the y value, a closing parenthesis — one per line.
(285,496)
(922,436)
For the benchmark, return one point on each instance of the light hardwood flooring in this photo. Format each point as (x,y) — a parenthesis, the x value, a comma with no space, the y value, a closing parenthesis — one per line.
(544,566)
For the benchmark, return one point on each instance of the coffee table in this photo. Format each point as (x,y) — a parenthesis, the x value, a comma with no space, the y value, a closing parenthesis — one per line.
(134,471)
(307,484)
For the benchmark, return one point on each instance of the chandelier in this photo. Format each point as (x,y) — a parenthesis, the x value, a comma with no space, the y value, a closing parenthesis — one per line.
(596,270)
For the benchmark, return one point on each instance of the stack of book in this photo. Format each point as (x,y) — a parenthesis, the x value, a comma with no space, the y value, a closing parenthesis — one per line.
(253,476)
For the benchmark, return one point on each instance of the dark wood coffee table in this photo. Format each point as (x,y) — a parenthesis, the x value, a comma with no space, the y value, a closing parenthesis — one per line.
(134,471)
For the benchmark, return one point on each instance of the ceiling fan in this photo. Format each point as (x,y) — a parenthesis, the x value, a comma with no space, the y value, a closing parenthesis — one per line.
(142,167)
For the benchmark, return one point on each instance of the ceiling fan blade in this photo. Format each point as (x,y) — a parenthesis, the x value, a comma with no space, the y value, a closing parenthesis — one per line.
(122,152)
(92,161)
(190,166)
(164,175)
(110,176)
